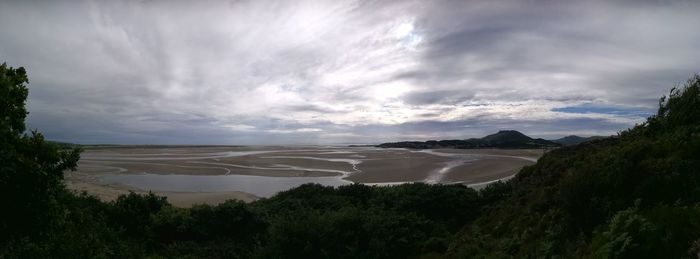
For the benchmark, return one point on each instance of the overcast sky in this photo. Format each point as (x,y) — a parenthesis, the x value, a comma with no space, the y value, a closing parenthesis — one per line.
(320,72)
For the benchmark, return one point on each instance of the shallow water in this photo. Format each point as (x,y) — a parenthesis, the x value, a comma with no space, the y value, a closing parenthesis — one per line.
(260,186)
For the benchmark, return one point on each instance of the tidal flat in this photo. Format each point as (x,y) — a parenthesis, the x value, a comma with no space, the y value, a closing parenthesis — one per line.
(211,174)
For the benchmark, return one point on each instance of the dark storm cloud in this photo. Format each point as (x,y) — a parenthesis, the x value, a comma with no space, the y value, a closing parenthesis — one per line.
(276,72)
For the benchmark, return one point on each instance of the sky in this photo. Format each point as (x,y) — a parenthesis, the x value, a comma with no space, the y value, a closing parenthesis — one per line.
(329,72)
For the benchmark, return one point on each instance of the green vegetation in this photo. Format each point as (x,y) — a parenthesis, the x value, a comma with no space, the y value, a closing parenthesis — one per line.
(501,139)
(632,196)
(31,169)
(636,195)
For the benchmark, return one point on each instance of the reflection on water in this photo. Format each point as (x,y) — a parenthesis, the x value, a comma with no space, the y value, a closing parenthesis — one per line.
(260,186)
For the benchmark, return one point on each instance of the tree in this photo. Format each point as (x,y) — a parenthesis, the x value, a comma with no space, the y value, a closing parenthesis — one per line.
(31,169)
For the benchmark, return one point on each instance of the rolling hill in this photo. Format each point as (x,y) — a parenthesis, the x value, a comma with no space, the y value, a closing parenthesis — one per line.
(501,139)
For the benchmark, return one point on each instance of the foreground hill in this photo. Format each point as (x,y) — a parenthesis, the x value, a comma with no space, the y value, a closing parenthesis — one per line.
(502,139)
(573,140)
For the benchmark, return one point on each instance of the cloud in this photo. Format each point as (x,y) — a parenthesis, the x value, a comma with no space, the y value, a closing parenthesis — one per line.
(588,108)
(278,72)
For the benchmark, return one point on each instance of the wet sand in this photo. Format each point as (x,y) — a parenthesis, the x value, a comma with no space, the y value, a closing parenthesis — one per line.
(397,169)
(283,164)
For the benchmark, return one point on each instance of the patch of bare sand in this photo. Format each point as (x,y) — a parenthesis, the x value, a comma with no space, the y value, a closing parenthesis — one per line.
(414,168)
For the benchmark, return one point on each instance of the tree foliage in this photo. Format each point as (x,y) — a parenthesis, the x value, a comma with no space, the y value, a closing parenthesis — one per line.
(31,169)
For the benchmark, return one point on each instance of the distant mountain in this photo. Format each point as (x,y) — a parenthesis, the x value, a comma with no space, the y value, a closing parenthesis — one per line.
(573,140)
(502,139)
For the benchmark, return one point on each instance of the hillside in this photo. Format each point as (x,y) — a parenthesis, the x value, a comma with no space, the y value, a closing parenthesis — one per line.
(501,139)
(633,196)
(573,140)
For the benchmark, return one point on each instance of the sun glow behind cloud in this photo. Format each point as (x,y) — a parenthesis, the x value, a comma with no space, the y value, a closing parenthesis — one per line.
(257,72)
